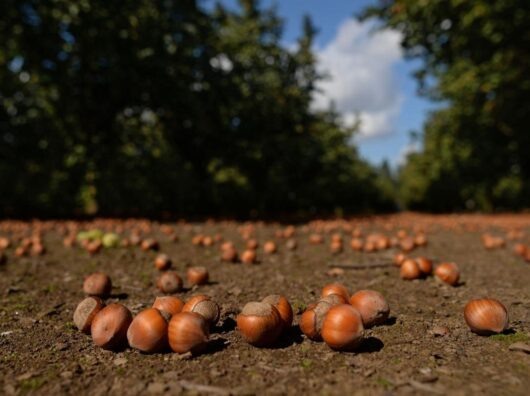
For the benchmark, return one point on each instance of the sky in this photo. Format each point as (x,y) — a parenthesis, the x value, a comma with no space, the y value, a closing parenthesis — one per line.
(369,78)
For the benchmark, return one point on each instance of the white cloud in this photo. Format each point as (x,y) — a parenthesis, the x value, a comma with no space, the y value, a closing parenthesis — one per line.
(361,83)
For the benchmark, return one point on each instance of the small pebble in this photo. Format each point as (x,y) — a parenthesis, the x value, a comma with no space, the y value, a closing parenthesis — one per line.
(61,346)
(182,356)
(439,331)
(368,372)
(335,272)
(156,388)
(425,370)
(120,361)
(520,347)
(236,291)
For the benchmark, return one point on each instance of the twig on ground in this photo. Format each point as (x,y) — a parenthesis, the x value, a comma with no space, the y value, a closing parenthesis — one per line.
(426,388)
(359,266)
(204,388)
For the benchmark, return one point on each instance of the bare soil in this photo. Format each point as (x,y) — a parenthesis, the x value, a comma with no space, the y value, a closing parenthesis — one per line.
(41,351)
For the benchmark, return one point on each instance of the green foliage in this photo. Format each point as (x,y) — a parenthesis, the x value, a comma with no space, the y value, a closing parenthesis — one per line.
(475,61)
(141,107)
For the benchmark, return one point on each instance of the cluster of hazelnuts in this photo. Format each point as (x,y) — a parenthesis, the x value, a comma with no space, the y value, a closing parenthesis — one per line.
(336,318)
(521,249)
(183,327)
(339,319)
(422,267)
(249,255)
(373,242)
(28,246)
(171,323)
(170,281)
(483,316)
(228,251)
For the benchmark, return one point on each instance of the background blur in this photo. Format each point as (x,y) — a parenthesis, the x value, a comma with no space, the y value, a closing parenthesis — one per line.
(248,108)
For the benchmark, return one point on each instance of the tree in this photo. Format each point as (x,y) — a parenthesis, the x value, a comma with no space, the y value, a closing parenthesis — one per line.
(475,61)
(142,107)
(89,90)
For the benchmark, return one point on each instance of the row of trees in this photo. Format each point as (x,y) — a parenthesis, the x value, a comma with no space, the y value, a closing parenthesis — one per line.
(475,62)
(144,107)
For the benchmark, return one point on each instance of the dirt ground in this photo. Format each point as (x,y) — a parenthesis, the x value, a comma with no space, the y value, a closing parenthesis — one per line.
(41,351)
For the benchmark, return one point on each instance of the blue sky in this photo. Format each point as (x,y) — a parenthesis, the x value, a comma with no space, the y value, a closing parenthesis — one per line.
(370,79)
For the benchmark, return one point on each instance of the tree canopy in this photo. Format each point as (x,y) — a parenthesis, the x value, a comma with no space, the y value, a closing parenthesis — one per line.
(475,62)
(145,107)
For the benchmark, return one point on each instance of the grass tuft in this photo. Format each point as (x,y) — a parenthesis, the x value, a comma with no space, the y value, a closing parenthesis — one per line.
(511,338)
(306,363)
(387,384)
(31,384)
